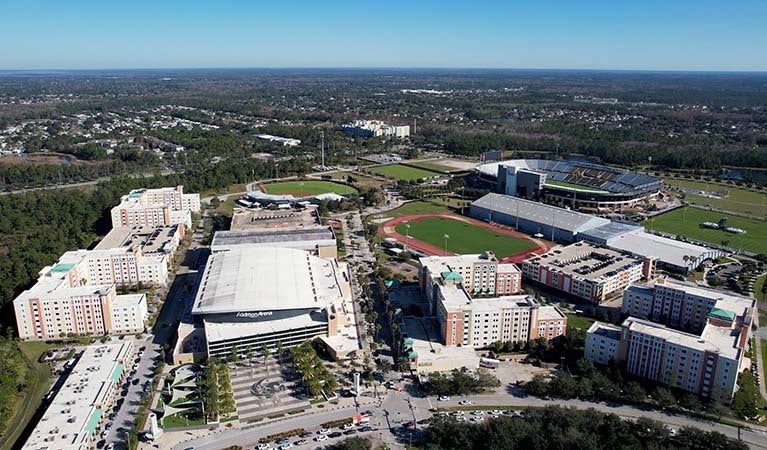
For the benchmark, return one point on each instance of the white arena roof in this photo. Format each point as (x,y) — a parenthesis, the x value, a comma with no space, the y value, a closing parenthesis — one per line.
(245,278)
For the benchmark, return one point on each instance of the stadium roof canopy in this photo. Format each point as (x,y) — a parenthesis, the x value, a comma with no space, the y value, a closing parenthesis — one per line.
(610,179)
(564,219)
(267,279)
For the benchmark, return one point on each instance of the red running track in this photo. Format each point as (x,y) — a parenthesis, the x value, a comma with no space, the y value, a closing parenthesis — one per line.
(389,230)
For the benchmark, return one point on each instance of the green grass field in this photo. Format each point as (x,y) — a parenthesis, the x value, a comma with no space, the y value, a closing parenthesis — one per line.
(464,237)
(360,180)
(308,187)
(686,222)
(433,165)
(737,200)
(414,208)
(406,173)
(581,322)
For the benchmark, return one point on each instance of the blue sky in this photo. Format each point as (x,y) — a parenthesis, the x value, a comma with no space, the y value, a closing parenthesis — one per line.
(568,34)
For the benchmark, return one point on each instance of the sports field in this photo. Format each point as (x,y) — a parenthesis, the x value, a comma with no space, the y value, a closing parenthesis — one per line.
(737,200)
(433,165)
(464,237)
(406,173)
(686,222)
(308,187)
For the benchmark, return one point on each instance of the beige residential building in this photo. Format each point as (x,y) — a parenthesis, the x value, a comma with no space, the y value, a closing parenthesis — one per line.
(481,274)
(706,362)
(587,271)
(155,207)
(479,322)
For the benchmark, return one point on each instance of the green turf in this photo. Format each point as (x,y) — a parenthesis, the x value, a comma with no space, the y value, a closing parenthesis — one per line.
(737,200)
(464,237)
(575,187)
(758,293)
(414,208)
(581,322)
(433,165)
(406,173)
(308,187)
(686,222)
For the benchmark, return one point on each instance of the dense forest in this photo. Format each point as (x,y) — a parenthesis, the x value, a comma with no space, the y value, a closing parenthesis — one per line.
(558,428)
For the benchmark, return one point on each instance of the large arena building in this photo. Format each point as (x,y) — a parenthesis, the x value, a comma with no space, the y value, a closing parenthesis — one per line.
(262,296)
(577,184)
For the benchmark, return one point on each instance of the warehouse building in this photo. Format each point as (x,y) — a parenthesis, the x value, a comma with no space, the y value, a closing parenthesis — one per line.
(550,222)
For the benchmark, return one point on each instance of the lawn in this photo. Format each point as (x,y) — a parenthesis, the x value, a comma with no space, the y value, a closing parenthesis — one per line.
(402,172)
(463,237)
(763,345)
(433,165)
(686,222)
(576,321)
(359,179)
(308,187)
(737,200)
(759,292)
(414,208)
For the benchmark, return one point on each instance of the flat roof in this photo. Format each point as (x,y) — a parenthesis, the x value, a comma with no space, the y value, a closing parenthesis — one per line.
(715,339)
(585,260)
(426,338)
(220,331)
(151,239)
(550,313)
(669,251)
(270,278)
(249,219)
(310,236)
(564,219)
(606,330)
(610,231)
(74,412)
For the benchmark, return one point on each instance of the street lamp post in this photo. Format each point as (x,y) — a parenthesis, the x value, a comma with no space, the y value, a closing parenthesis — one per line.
(407,235)
(446,238)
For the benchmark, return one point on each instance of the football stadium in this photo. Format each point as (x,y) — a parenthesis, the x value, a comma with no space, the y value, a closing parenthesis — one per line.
(577,184)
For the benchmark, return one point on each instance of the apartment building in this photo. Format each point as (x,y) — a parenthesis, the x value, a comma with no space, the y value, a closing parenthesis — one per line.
(155,207)
(676,303)
(587,271)
(78,412)
(149,240)
(706,362)
(480,321)
(123,266)
(374,128)
(66,300)
(481,274)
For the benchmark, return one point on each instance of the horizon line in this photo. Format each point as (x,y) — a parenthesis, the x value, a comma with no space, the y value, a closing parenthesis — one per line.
(392,68)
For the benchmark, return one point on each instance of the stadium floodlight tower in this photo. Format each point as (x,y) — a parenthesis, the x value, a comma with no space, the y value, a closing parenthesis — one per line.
(322,149)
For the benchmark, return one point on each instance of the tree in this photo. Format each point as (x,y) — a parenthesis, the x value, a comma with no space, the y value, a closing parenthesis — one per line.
(664,397)
(265,352)
(354,443)
(280,350)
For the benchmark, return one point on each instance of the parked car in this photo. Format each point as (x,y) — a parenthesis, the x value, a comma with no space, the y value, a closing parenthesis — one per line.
(321,438)
(335,434)
(444,398)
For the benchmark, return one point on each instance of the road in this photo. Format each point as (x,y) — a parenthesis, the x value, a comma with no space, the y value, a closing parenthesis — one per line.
(395,410)
(82,183)
(164,332)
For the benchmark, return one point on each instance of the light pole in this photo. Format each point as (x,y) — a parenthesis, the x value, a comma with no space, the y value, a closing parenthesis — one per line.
(407,235)
(446,238)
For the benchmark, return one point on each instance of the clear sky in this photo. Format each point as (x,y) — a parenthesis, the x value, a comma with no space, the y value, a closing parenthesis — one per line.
(567,34)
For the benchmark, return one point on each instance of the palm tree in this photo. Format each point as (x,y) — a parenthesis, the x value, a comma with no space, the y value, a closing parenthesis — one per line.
(234,357)
(265,353)
(280,349)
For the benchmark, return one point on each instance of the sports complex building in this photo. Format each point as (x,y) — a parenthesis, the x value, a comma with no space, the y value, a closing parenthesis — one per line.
(255,296)
(578,184)
(567,226)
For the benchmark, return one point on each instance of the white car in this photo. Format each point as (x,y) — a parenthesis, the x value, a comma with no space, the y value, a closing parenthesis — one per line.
(444,398)
(465,402)
(496,412)
(285,446)
(478,418)
(321,438)
(323,431)
(347,426)
(263,447)
(478,413)
(459,413)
